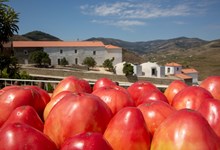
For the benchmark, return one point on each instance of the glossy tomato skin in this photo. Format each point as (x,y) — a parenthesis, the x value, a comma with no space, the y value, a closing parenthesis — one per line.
(127,130)
(116,99)
(44,95)
(190,97)
(17,136)
(85,85)
(103,82)
(70,83)
(173,88)
(155,95)
(155,112)
(210,110)
(54,101)
(185,129)
(74,114)
(86,141)
(15,97)
(140,87)
(212,84)
(26,115)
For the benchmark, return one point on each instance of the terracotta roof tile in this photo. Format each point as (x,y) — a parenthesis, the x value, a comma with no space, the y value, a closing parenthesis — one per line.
(189,70)
(173,64)
(183,76)
(111,47)
(57,44)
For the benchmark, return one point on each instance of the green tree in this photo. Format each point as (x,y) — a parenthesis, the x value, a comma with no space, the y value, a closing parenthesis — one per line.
(8,23)
(128,69)
(108,63)
(40,57)
(89,61)
(64,62)
(10,67)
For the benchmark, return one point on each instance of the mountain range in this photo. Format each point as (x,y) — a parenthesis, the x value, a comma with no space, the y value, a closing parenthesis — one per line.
(194,53)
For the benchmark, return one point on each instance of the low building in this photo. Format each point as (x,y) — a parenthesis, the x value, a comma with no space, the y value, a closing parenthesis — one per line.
(150,69)
(74,52)
(119,69)
(173,68)
(192,73)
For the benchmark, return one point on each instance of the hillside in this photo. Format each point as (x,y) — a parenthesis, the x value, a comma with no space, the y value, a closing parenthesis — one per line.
(195,53)
(205,58)
(180,43)
(35,36)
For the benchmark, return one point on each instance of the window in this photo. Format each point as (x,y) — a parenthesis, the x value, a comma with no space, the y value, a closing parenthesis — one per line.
(168,70)
(153,71)
(61,51)
(58,61)
(94,52)
(75,50)
(26,52)
(76,61)
(177,69)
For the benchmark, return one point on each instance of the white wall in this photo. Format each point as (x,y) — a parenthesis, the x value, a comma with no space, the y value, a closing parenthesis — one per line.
(119,69)
(147,70)
(80,53)
(194,77)
(173,70)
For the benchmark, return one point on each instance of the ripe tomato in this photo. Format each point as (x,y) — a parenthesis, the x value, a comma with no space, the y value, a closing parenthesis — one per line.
(74,114)
(212,84)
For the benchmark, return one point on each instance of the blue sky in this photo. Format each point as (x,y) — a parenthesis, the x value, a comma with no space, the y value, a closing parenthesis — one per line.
(129,20)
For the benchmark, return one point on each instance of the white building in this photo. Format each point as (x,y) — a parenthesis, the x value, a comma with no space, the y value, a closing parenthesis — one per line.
(74,52)
(192,73)
(172,68)
(150,69)
(119,69)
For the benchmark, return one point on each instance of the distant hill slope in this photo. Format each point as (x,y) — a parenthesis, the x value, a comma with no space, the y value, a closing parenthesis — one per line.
(180,43)
(195,53)
(40,36)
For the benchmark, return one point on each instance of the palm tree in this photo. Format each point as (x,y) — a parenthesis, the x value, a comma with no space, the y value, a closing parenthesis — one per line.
(8,23)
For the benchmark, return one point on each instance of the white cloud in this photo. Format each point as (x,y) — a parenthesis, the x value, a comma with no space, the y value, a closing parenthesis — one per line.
(124,24)
(132,13)
(135,10)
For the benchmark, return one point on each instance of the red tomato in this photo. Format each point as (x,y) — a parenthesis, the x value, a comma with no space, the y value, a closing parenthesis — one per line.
(190,97)
(85,85)
(18,96)
(210,109)
(18,136)
(27,115)
(103,82)
(70,83)
(140,87)
(174,88)
(212,84)
(127,130)
(155,95)
(74,114)
(185,129)
(116,99)
(44,95)
(155,112)
(86,141)
(54,101)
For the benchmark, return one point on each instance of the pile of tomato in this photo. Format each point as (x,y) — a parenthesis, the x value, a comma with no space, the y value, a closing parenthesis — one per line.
(107,116)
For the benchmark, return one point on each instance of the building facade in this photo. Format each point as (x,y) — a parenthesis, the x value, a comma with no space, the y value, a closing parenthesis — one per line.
(172,68)
(74,52)
(150,69)
(119,69)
